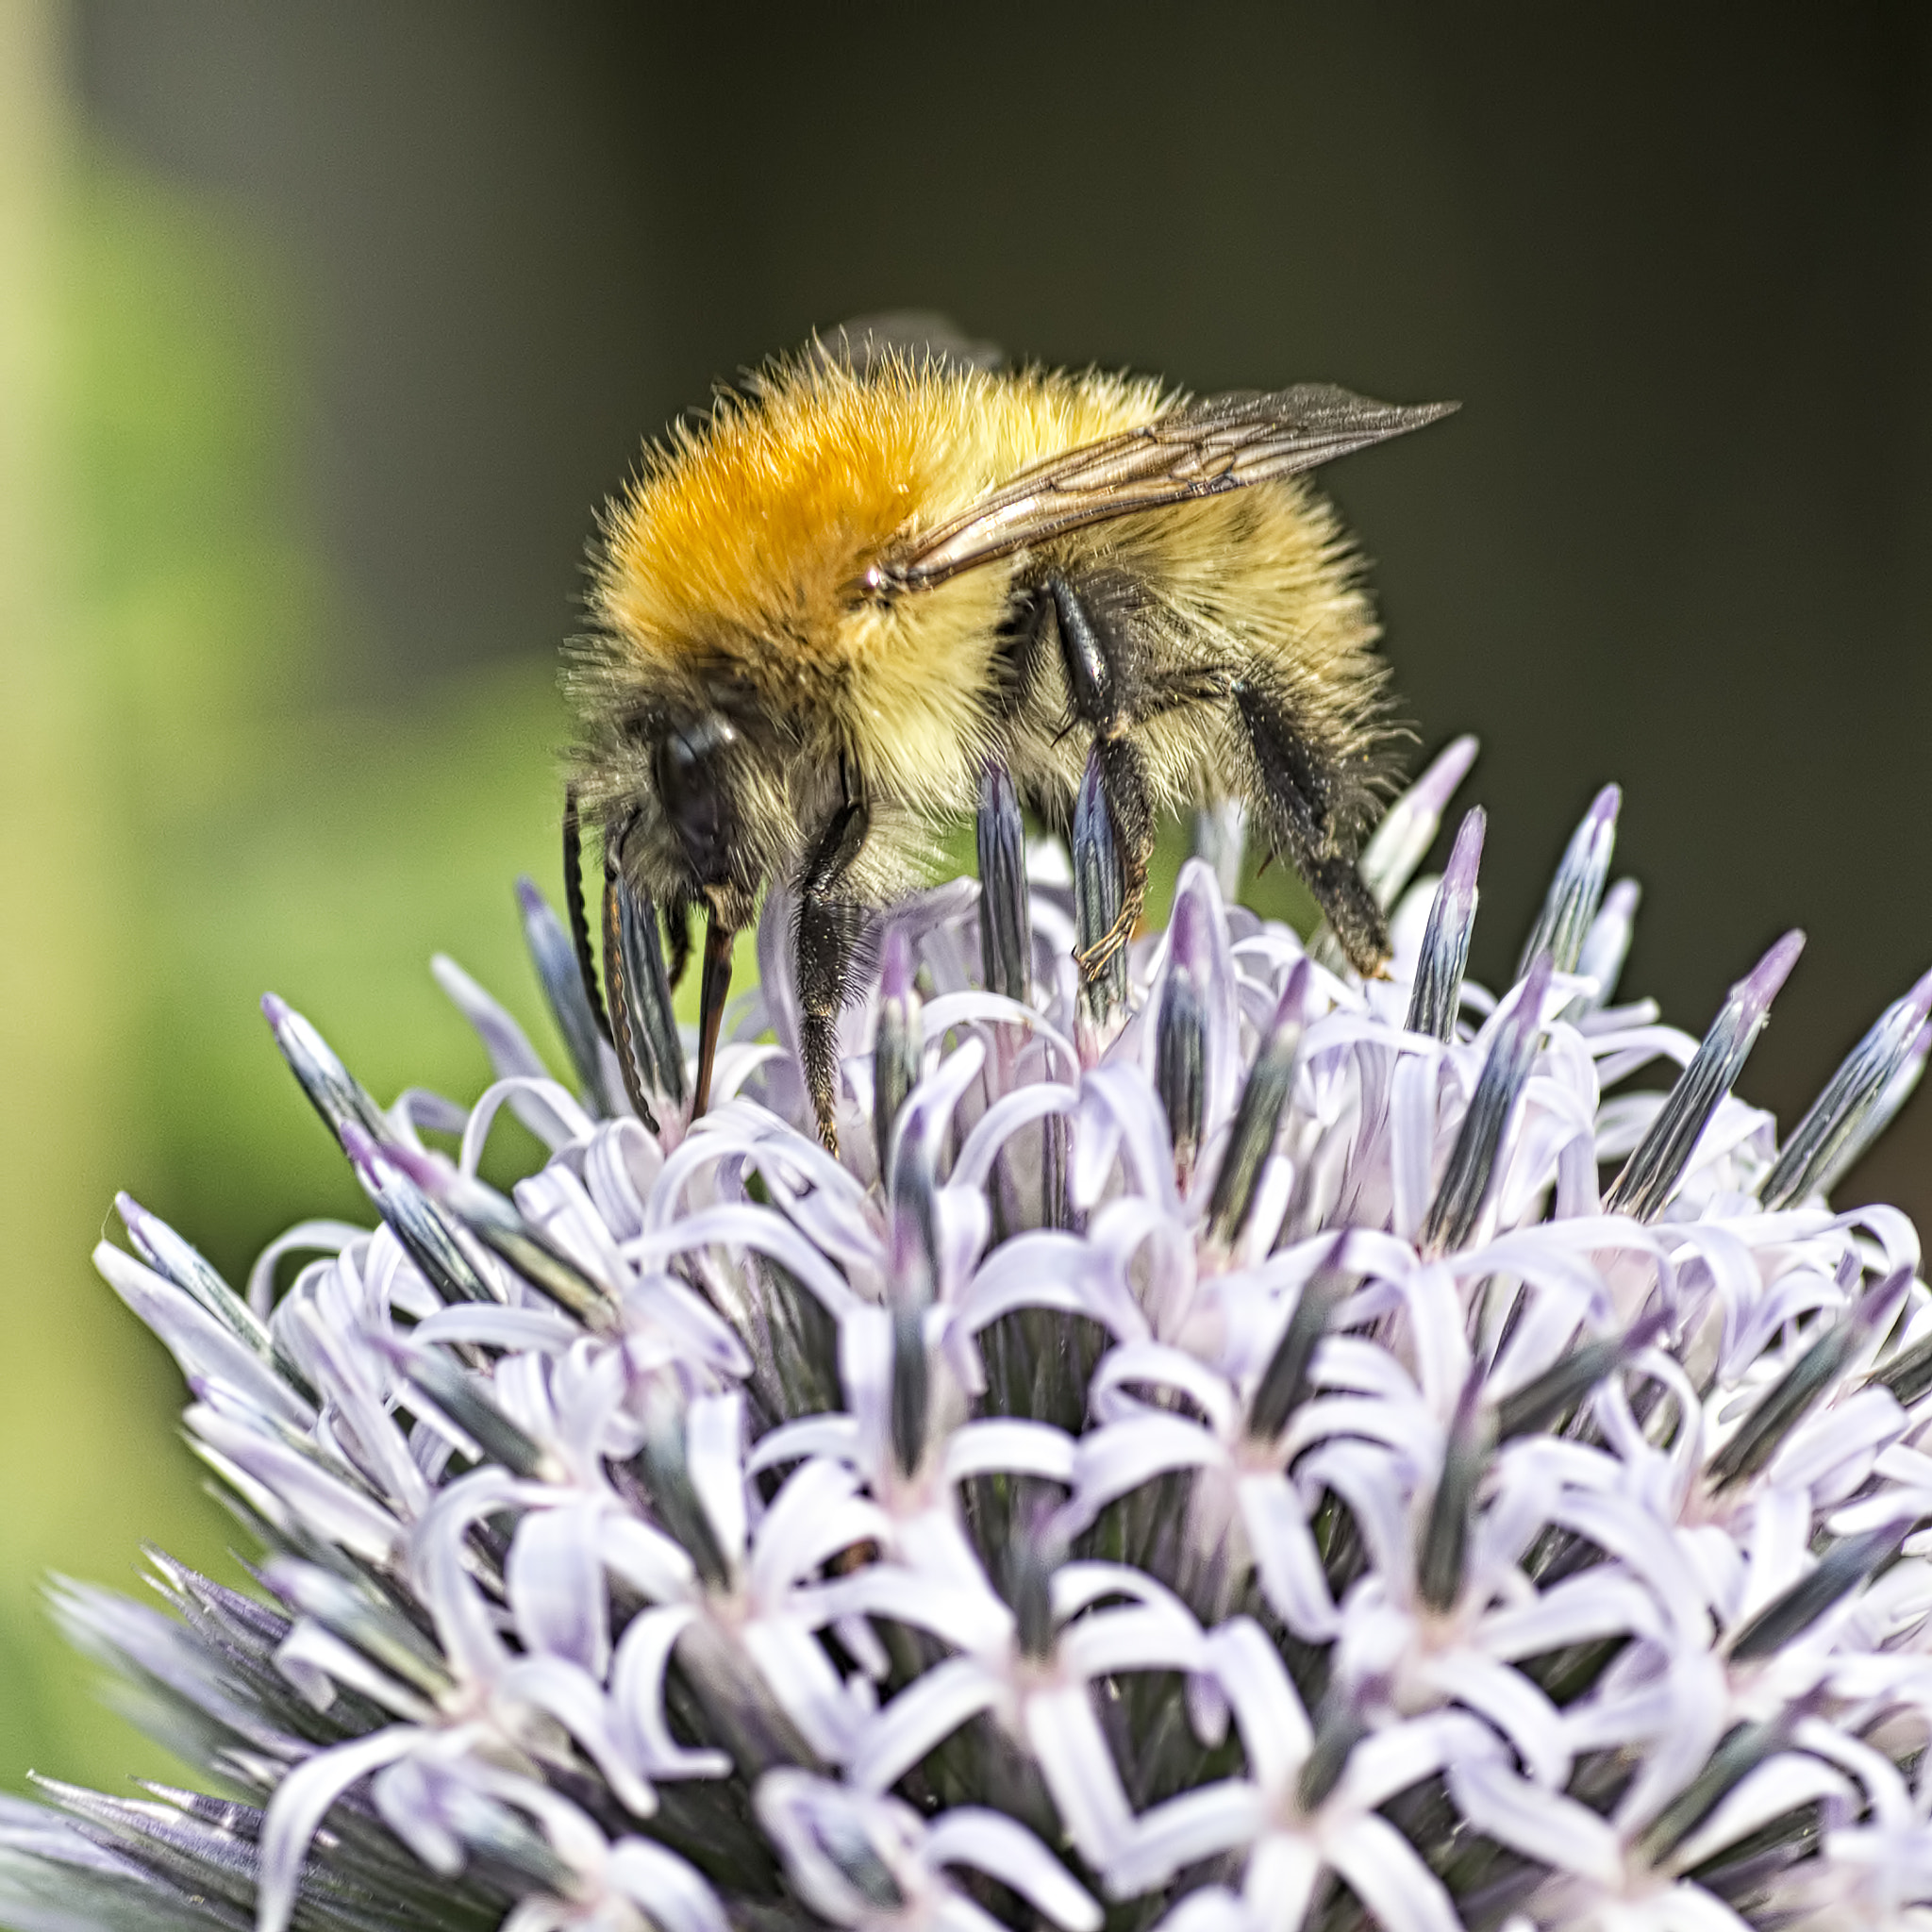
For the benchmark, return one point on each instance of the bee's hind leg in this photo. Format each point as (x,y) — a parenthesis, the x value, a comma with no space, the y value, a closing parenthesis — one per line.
(825,942)
(1298,800)
(1103,678)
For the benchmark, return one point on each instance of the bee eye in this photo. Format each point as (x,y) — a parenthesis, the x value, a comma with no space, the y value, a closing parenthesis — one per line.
(690,769)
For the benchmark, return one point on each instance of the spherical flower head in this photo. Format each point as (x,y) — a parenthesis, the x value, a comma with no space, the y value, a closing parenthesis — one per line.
(1221,1445)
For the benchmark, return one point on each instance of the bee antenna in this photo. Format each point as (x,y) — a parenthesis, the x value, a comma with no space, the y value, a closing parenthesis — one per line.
(573,904)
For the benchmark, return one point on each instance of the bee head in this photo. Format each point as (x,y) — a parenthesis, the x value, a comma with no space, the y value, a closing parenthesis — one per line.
(691,797)
(691,767)
(692,805)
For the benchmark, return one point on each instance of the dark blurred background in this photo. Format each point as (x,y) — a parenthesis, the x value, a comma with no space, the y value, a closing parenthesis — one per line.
(332,321)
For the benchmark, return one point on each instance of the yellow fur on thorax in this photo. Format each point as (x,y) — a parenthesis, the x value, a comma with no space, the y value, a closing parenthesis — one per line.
(736,554)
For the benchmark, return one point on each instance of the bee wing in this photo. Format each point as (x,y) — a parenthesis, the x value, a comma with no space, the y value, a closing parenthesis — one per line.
(1198,449)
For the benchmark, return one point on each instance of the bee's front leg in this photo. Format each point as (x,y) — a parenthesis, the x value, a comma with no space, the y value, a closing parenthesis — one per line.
(829,929)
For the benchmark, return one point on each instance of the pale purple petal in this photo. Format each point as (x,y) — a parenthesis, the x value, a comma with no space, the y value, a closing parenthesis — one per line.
(831,1714)
(301,1802)
(305,1237)
(836,1436)
(1140,1640)
(676,1898)
(327,1506)
(714,1434)
(1267,1711)
(547,1108)
(1390,1761)
(1123,1097)
(198,1342)
(965,1617)
(514,1058)
(555,1579)
(1114,1461)
(1198,924)
(1050,1269)
(315,1660)
(1215,1908)
(1157,1363)
(1852,1431)
(1579,1609)
(816,1826)
(746,1227)
(571,1697)
(1279,1887)
(1412,1140)
(1286,1561)
(971,1835)
(966,1008)
(637,1699)
(921,1716)
(1200,1824)
(412,1802)
(1782,1784)
(812,1517)
(1005,1118)
(539,1329)
(1073,1756)
(1538,1823)
(1010,1446)
(647,1559)
(463,1624)
(1403,1893)
(1511,1702)
(1409,828)
(1690,1714)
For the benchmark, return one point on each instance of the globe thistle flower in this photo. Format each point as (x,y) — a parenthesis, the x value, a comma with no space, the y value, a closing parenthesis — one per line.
(1224,1447)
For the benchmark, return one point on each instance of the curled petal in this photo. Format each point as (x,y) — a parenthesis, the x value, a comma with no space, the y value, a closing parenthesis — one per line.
(971,1835)
(301,1802)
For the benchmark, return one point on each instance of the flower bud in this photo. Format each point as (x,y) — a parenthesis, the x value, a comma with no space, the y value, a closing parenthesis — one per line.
(1571,905)
(561,977)
(1840,1115)
(1006,924)
(1437,995)
(1475,1161)
(1650,1176)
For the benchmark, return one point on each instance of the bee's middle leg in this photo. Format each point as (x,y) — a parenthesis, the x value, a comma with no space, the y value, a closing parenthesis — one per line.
(1102,682)
(823,942)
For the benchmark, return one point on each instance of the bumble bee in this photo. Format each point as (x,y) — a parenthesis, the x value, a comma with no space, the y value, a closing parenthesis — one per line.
(817,613)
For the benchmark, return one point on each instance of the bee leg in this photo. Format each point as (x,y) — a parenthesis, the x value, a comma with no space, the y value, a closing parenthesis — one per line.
(713,989)
(1297,800)
(677,935)
(827,934)
(1101,682)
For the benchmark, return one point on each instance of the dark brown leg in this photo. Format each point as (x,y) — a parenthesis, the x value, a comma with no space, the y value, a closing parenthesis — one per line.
(713,989)
(1297,801)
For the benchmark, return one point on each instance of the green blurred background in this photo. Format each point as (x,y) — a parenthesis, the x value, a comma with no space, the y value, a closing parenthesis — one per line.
(325,324)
